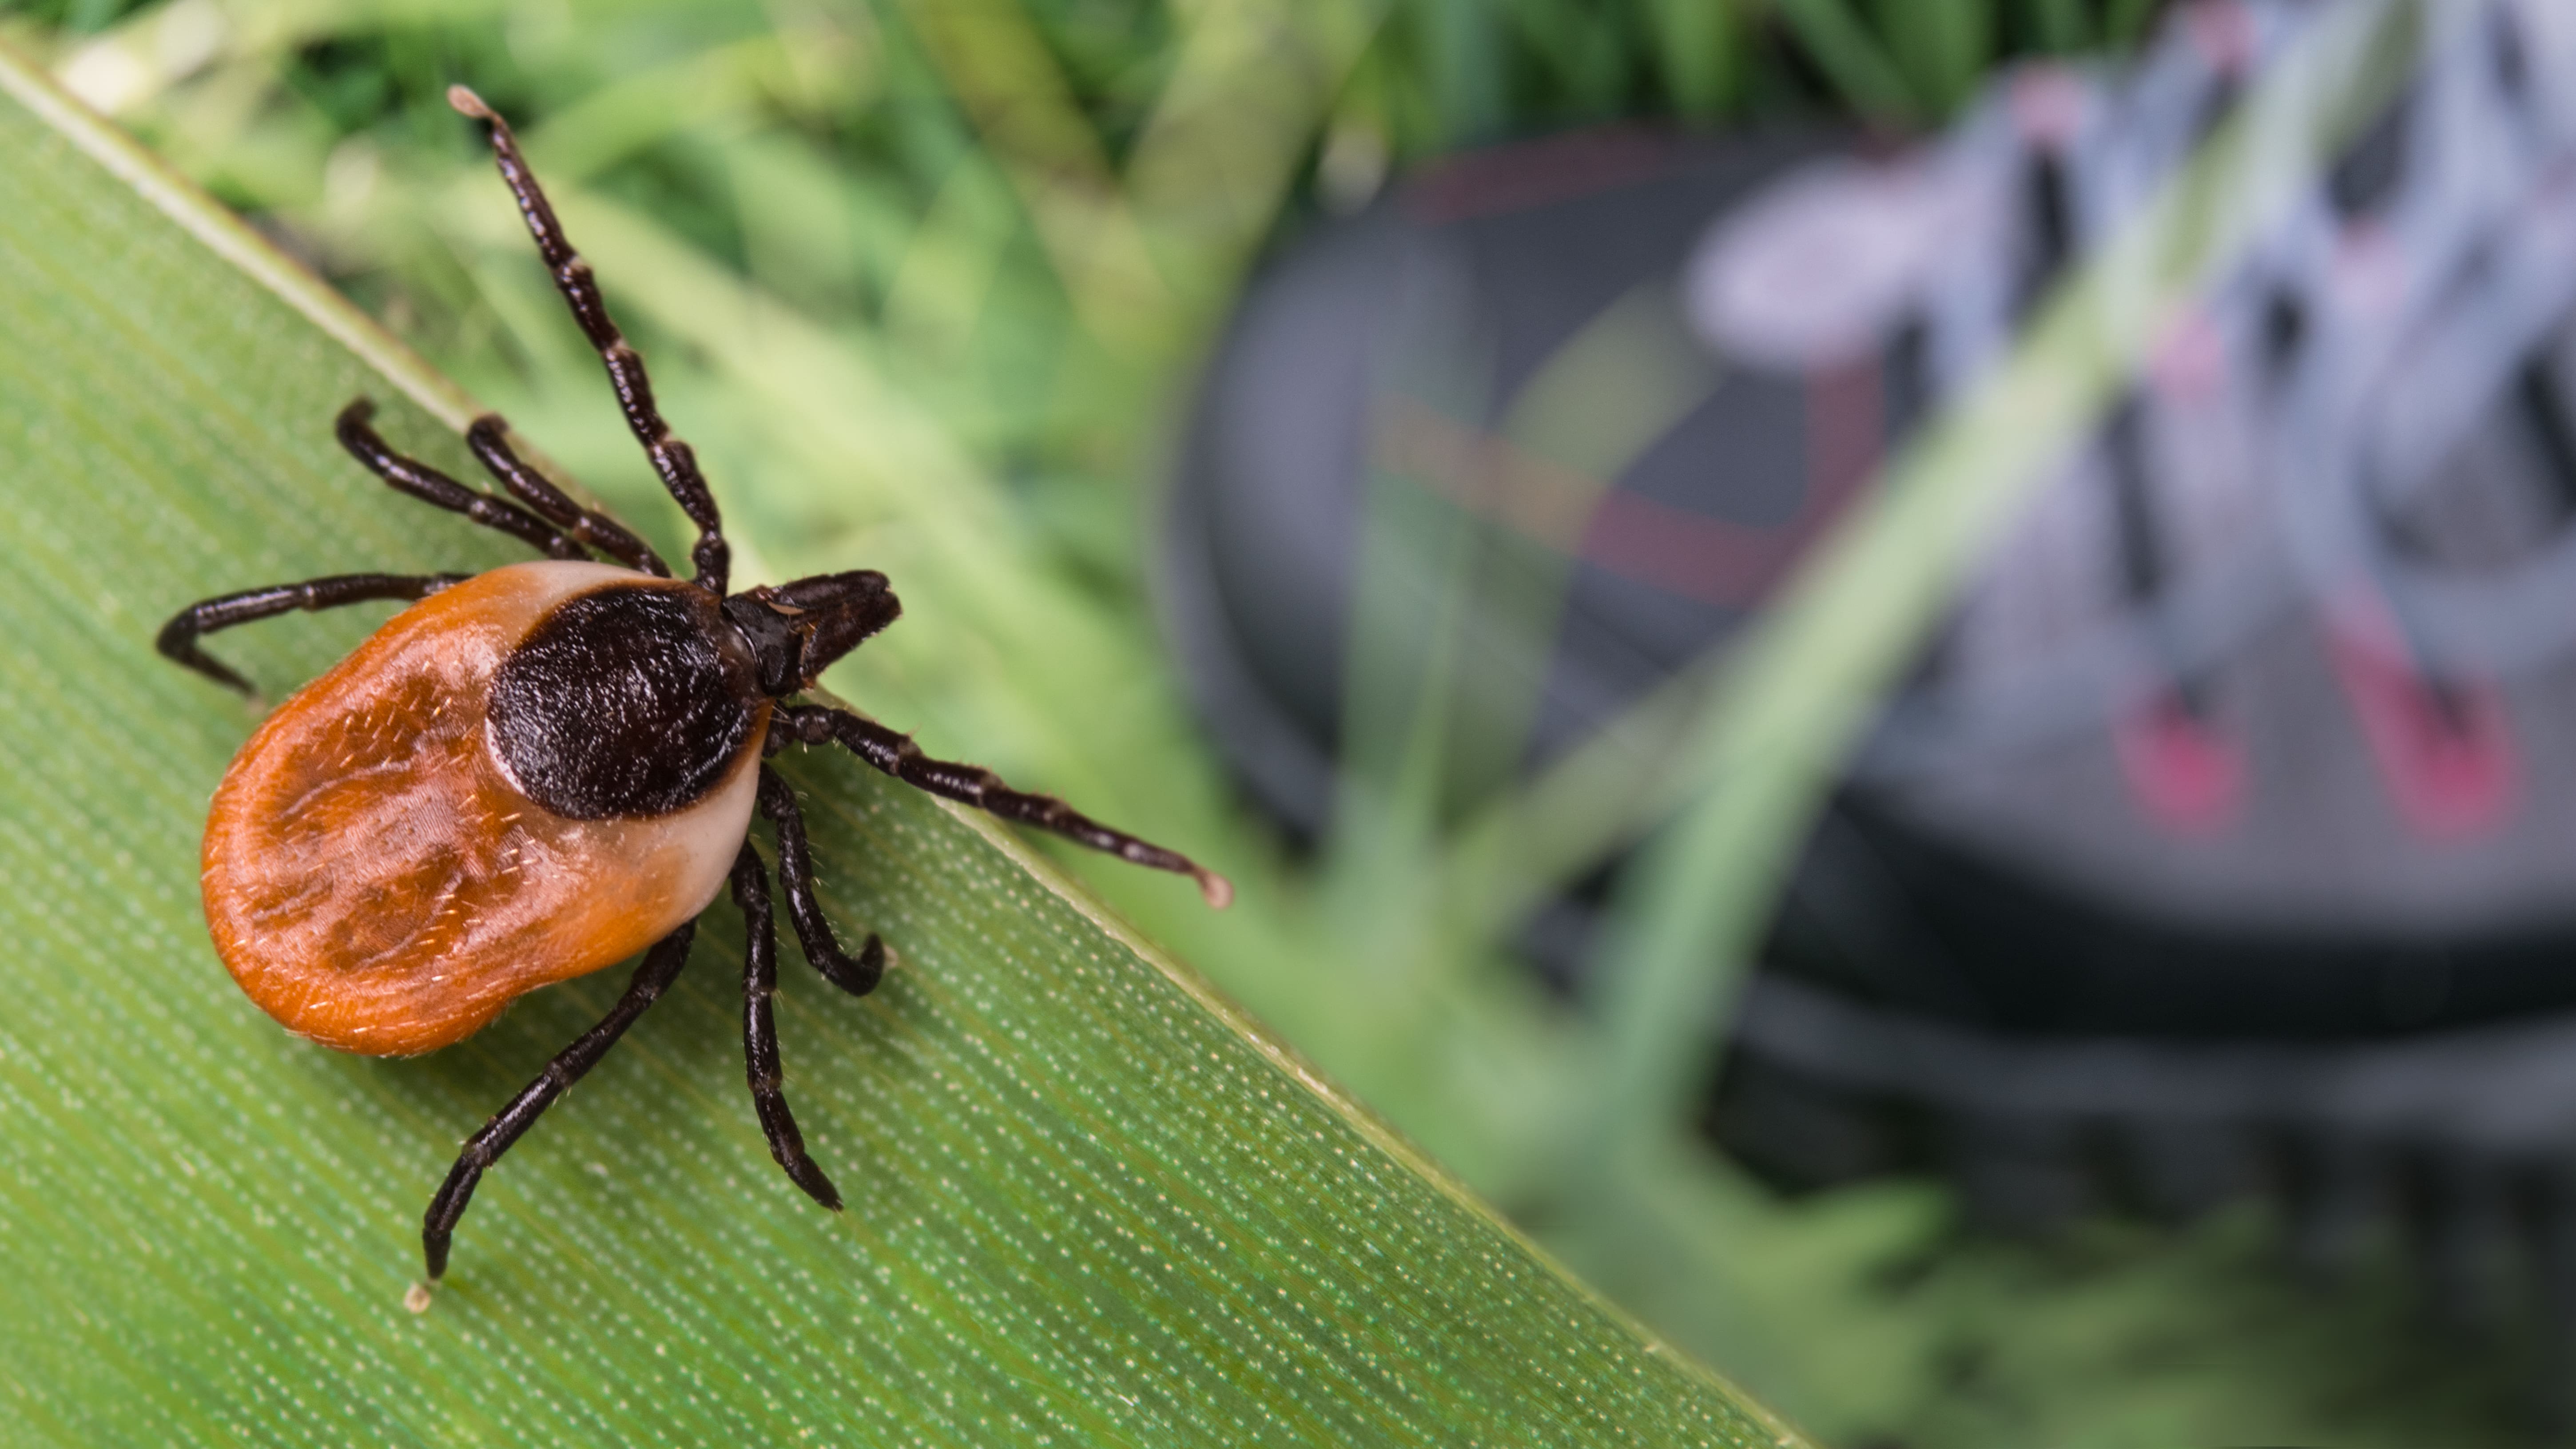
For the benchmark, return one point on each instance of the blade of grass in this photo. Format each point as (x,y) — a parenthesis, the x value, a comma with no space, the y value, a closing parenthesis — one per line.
(999,70)
(1216,156)
(1943,46)
(1089,1203)
(1454,615)
(1846,51)
(1698,48)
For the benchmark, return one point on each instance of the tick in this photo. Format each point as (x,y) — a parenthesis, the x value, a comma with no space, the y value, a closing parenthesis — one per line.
(534,773)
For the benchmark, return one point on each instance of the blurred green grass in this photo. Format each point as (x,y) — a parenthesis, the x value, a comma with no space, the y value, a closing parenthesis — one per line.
(923,282)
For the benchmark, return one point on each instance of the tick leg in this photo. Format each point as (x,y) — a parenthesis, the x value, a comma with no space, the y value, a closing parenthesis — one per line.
(760,1032)
(421,481)
(179,637)
(661,965)
(671,458)
(489,438)
(796,878)
(896,755)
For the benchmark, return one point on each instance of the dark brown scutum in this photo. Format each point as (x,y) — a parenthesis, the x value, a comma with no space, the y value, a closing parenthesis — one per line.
(624,704)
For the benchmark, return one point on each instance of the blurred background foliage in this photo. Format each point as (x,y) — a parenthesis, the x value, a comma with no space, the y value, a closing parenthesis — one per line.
(924,282)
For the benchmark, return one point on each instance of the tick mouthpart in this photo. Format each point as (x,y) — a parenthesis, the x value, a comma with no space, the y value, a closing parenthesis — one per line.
(796,630)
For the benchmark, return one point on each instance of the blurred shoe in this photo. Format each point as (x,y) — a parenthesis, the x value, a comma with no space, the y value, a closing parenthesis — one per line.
(2225,842)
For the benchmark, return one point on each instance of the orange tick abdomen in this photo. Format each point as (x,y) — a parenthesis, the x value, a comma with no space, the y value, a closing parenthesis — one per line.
(376,880)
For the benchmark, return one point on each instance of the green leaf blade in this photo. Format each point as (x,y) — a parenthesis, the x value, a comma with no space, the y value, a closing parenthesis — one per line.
(1087,1203)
